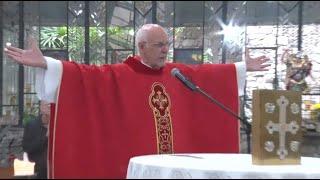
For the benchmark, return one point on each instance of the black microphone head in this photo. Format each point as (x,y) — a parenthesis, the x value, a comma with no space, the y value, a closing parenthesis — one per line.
(175,71)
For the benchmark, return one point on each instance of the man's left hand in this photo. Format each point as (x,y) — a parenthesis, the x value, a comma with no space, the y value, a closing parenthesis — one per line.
(256,64)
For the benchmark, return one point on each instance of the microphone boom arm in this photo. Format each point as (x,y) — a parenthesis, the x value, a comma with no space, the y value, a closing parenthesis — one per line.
(222,106)
(247,124)
(176,73)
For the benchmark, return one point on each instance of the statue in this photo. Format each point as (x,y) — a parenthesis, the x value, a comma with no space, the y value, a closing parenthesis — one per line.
(298,68)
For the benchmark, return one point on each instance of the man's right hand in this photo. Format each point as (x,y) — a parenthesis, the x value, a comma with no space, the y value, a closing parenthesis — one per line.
(30,57)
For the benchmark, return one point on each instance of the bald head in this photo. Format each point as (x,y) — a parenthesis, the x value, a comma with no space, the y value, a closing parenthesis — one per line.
(147,31)
(152,44)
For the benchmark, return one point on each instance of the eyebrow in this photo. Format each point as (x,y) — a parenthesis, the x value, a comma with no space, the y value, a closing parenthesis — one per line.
(167,42)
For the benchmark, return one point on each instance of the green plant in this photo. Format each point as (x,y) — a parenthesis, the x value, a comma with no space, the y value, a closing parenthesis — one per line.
(30,114)
(27,118)
(315,112)
(57,37)
(53,37)
(76,43)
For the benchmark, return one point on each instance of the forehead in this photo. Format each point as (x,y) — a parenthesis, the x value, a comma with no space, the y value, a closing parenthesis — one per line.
(157,35)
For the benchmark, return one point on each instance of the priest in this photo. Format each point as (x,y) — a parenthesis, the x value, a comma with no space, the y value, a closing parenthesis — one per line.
(104,115)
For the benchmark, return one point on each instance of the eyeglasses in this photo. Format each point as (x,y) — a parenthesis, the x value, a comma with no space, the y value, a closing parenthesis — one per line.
(159,45)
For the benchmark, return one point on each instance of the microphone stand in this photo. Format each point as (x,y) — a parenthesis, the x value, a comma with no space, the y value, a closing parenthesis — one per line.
(246,123)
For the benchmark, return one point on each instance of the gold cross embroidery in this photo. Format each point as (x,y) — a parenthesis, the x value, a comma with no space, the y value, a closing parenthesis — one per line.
(160,100)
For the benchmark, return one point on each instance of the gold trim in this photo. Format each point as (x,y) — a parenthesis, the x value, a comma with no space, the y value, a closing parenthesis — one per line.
(160,104)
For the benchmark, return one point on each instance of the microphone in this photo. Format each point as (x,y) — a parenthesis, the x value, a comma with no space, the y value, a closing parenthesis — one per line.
(176,73)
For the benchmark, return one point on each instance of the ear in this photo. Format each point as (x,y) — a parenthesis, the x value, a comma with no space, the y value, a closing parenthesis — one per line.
(141,45)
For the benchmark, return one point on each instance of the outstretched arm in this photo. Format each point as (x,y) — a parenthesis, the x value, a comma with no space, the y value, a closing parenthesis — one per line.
(30,57)
(256,64)
(48,75)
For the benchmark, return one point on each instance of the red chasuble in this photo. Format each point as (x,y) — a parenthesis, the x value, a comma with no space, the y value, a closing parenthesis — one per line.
(106,115)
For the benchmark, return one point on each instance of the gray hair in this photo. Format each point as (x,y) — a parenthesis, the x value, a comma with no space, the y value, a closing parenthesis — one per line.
(141,34)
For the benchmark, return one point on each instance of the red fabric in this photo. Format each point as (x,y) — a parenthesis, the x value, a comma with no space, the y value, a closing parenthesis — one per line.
(103,117)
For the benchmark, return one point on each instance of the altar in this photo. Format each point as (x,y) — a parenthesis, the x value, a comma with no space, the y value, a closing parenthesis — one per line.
(217,166)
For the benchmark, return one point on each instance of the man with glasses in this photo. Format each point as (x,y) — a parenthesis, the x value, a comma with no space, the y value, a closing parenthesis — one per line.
(107,114)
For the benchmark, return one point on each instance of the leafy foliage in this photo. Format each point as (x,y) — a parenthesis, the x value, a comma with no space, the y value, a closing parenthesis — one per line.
(53,37)
(73,38)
